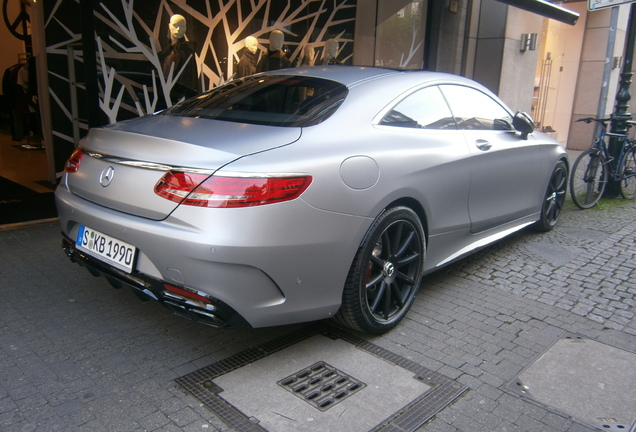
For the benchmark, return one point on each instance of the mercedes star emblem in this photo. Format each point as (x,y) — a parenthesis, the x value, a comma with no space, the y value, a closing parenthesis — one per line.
(107,176)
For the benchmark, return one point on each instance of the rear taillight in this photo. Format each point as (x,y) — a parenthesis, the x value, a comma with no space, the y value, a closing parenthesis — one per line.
(73,162)
(229,192)
(187,293)
(176,186)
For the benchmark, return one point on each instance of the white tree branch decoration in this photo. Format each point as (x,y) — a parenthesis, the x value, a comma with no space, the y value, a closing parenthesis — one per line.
(229,20)
(412,51)
(150,53)
(109,83)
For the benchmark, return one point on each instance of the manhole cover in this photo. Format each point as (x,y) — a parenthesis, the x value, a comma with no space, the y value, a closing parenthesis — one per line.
(586,379)
(285,385)
(321,385)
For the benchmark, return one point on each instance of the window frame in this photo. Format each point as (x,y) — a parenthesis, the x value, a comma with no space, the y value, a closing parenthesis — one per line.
(413,94)
(224,103)
(504,108)
(377,120)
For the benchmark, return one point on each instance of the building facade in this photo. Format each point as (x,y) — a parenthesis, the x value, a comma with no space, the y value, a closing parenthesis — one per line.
(111,60)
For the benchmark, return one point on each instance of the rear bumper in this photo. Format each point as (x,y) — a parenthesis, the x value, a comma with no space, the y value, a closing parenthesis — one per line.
(181,301)
(272,265)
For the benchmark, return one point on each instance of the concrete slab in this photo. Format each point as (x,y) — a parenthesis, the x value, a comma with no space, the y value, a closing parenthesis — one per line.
(254,390)
(375,389)
(588,380)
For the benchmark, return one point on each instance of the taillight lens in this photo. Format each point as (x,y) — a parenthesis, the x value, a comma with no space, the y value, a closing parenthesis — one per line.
(73,162)
(186,293)
(229,192)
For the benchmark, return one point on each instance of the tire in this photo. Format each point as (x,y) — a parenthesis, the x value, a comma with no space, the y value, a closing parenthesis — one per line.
(385,274)
(554,198)
(628,168)
(588,179)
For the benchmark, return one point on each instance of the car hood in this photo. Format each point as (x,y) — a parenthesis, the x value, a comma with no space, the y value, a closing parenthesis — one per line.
(137,150)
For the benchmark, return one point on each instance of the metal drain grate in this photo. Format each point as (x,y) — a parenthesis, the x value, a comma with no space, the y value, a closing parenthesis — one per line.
(321,385)
(201,383)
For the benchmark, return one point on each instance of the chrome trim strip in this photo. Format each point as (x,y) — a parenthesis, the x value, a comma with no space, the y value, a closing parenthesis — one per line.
(483,242)
(144,165)
(163,167)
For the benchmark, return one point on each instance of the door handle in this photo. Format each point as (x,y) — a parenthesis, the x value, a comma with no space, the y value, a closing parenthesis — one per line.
(483,145)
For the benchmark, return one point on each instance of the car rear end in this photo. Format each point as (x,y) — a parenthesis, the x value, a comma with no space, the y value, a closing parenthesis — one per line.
(153,204)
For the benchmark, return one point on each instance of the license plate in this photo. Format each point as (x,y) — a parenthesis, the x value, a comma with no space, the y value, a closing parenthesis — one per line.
(115,252)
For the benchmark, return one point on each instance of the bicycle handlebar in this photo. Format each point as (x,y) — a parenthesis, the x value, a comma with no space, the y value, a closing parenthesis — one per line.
(588,120)
(603,121)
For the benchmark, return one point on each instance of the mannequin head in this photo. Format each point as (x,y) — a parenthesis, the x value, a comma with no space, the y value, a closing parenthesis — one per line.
(309,55)
(276,40)
(251,44)
(331,49)
(177,27)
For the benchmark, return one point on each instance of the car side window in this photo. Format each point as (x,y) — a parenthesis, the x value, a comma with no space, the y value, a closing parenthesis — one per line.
(475,110)
(424,109)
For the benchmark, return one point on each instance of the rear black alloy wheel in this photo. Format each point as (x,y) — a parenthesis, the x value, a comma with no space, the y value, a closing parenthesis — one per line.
(385,274)
(554,198)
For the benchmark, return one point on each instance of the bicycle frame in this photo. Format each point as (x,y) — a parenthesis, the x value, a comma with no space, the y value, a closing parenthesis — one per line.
(595,167)
(626,144)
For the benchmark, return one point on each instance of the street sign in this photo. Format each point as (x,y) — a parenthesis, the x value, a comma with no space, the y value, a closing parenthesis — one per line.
(593,5)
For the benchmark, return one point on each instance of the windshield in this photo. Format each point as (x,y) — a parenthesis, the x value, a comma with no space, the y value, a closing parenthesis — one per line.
(273,100)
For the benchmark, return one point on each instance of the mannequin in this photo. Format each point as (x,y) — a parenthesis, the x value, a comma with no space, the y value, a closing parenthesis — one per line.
(248,61)
(180,52)
(331,53)
(276,57)
(309,56)
(276,40)
(177,27)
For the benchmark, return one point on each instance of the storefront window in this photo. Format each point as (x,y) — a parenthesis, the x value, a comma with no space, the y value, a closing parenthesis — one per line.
(400,33)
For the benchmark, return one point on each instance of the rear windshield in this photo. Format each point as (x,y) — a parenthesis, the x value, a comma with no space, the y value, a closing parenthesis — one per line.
(274,100)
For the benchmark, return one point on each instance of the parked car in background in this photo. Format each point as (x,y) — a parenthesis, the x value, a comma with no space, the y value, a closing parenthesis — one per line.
(306,194)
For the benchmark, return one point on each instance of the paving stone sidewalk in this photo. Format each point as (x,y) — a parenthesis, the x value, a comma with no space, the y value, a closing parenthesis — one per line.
(77,355)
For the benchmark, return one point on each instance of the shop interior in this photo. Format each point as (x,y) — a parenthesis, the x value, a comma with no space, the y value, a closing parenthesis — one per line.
(26,194)
(22,155)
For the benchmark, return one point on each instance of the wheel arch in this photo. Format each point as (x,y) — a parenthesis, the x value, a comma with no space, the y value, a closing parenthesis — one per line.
(409,202)
(566,161)
(568,166)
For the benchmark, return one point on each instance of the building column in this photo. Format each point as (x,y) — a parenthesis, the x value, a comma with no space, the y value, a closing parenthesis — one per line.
(591,79)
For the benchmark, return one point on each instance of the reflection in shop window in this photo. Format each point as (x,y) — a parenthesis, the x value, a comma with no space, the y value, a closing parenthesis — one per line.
(400,33)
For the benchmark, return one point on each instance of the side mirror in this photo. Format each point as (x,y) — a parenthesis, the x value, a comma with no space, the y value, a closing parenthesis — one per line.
(523,123)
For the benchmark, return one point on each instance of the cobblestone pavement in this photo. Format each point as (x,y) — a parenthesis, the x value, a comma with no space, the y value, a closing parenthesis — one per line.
(76,355)
(584,267)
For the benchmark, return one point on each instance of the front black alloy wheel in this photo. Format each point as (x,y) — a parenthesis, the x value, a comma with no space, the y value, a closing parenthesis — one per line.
(385,274)
(554,198)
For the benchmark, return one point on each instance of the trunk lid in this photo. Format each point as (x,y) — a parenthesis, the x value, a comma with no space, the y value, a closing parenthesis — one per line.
(124,161)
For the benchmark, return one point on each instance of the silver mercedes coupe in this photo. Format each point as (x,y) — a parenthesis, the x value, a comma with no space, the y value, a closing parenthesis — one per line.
(306,194)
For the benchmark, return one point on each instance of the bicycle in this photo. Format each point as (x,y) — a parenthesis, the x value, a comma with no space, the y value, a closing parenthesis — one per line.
(595,166)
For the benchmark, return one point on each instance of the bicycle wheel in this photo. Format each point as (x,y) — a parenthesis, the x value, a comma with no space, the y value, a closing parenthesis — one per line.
(588,179)
(627,174)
